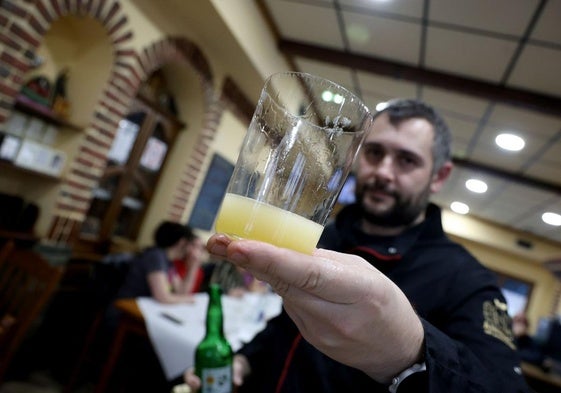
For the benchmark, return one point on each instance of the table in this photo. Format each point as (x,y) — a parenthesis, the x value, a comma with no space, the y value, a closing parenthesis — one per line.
(176,329)
(537,378)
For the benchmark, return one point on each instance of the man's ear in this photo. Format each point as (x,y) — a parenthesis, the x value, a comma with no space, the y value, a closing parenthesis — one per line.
(440,177)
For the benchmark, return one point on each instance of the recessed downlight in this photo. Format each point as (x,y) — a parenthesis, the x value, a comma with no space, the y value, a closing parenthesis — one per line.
(552,218)
(459,207)
(476,185)
(381,106)
(510,142)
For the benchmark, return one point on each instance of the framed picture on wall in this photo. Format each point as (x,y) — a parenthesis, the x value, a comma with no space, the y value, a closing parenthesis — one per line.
(211,194)
(516,291)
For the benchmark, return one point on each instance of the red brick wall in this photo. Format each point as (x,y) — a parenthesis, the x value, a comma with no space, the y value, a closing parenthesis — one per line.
(23,24)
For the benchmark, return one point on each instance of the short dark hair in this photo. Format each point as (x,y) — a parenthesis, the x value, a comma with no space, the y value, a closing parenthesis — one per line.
(399,110)
(168,233)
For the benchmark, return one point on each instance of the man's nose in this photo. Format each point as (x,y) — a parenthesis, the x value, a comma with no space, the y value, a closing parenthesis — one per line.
(385,168)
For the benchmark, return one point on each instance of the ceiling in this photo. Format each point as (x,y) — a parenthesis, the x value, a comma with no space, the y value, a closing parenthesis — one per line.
(487,66)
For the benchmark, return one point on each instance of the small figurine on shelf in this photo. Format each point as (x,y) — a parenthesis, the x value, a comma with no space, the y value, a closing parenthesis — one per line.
(59,101)
(38,89)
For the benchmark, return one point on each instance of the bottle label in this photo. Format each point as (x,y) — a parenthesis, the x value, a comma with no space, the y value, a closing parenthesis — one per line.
(217,380)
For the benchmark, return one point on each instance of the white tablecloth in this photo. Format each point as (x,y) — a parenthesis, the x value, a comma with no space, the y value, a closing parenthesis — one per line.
(176,329)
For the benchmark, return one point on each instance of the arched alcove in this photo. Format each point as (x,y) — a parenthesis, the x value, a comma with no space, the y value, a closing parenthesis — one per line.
(25,25)
(184,84)
(99,115)
(78,47)
(190,81)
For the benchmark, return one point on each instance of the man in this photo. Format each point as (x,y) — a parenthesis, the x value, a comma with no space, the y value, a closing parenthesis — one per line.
(396,306)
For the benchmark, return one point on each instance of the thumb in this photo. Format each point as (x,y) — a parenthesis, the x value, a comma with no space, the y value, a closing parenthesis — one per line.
(240,369)
(237,378)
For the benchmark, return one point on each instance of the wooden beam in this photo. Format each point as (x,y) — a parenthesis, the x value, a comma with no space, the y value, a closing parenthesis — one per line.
(548,104)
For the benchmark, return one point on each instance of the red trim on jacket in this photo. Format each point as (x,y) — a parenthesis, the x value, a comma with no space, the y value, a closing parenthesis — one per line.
(382,257)
(287,362)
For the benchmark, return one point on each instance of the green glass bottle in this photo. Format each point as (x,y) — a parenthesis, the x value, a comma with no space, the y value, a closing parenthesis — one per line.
(213,356)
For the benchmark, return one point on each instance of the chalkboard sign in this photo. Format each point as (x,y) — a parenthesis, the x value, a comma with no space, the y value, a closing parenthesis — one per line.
(212,191)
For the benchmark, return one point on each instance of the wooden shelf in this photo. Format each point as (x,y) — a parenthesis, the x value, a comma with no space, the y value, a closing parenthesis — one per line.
(30,107)
(18,236)
(5,165)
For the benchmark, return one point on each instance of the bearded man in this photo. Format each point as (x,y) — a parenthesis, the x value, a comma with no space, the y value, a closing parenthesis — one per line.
(387,302)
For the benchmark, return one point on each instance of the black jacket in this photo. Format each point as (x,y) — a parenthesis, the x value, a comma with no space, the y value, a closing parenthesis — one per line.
(468,341)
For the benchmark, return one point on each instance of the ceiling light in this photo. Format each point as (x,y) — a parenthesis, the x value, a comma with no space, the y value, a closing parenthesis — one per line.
(552,218)
(358,34)
(475,185)
(381,106)
(510,142)
(459,207)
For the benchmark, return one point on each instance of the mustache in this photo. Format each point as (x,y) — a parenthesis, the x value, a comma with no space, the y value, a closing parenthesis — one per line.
(378,186)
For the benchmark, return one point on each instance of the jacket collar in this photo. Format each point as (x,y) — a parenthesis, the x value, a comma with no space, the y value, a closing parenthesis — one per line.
(384,248)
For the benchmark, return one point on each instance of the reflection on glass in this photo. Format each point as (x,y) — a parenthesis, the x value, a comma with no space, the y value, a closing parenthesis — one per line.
(125,138)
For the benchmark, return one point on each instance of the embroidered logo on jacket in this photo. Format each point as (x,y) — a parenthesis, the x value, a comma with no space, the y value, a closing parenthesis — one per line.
(496,321)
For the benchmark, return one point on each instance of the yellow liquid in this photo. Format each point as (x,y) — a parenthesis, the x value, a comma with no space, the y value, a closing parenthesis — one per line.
(246,218)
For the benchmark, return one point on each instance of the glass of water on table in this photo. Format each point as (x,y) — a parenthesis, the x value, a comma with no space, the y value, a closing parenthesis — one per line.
(294,160)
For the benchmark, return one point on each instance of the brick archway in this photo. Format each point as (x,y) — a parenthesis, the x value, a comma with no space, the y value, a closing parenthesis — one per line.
(183,51)
(122,88)
(22,28)
(24,25)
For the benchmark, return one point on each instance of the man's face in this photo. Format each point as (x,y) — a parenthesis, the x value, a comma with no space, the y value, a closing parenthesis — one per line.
(394,175)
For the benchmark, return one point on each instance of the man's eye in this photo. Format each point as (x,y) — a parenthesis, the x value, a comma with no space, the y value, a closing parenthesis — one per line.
(407,161)
(374,154)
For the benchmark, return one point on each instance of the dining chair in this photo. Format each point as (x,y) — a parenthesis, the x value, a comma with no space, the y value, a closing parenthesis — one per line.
(107,276)
(27,282)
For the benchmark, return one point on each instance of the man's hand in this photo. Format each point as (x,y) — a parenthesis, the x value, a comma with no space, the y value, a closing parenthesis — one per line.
(240,369)
(341,304)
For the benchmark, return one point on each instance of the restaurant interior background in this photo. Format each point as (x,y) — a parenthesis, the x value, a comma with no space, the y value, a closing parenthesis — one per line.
(186,76)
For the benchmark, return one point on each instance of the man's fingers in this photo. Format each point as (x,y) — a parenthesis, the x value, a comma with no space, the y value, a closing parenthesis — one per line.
(191,379)
(282,268)
(289,271)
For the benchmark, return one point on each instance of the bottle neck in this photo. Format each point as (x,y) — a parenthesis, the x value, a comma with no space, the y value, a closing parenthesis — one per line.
(214,317)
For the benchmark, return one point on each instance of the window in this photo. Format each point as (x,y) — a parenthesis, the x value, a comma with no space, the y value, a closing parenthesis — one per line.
(135,160)
(516,291)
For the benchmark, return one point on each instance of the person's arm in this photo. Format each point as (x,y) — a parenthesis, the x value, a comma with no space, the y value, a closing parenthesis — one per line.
(161,290)
(353,313)
(469,346)
(341,304)
(193,259)
(186,286)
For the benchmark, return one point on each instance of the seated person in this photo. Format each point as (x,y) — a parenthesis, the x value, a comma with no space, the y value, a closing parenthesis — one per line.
(152,273)
(190,267)
(528,348)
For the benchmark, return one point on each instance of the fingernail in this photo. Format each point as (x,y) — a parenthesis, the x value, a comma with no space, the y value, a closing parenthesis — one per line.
(219,245)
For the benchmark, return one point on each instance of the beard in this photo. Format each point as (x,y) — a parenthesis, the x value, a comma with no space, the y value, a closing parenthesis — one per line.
(404,211)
